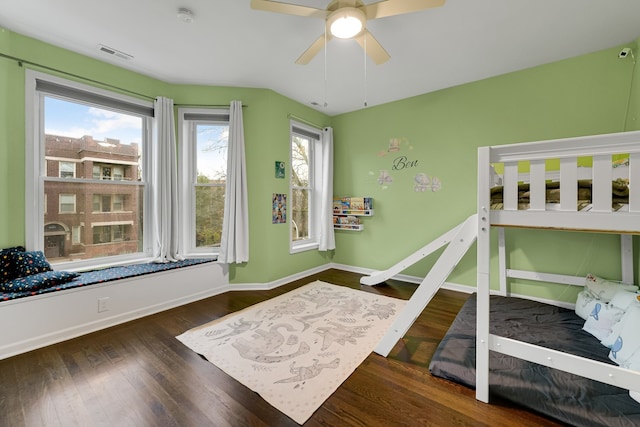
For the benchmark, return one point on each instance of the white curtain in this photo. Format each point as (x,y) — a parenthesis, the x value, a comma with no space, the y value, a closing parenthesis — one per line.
(234,243)
(165,183)
(326,235)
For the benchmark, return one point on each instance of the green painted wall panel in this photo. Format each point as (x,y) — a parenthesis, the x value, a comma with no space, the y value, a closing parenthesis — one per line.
(439,133)
(266,125)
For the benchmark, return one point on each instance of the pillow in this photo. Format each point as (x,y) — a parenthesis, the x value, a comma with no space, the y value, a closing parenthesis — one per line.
(613,336)
(7,270)
(602,319)
(585,304)
(623,299)
(28,263)
(633,363)
(628,339)
(604,289)
(38,281)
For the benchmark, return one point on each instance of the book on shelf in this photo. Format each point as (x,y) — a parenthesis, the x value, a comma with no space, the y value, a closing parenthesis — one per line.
(346,220)
(346,204)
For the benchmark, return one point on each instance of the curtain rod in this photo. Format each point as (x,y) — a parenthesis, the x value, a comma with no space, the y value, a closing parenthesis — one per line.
(206,105)
(306,122)
(21,61)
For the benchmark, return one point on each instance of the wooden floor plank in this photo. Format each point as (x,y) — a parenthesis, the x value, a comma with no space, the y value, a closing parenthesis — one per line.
(138,374)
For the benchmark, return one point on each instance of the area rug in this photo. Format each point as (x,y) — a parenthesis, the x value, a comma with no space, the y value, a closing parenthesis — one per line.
(296,349)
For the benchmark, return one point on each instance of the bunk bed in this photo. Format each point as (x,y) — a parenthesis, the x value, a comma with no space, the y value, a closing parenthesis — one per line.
(546,358)
(541,356)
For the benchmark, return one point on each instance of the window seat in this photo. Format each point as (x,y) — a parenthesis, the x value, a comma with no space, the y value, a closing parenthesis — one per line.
(106,275)
(103,298)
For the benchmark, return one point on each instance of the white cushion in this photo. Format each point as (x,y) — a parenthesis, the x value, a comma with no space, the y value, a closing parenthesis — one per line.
(610,340)
(604,289)
(602,319)
(585,304)
(633,363)
(623,299)
(628,339)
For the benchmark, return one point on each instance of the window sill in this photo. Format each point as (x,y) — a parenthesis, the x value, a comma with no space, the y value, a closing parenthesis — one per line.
(303,247)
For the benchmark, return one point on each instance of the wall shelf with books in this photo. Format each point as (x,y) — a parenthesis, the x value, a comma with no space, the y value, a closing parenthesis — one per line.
(348,210)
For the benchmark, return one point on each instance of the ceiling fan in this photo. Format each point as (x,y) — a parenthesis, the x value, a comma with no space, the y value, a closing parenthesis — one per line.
(347,19)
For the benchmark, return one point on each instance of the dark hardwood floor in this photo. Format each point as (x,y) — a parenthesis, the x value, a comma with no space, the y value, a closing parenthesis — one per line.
(138,374)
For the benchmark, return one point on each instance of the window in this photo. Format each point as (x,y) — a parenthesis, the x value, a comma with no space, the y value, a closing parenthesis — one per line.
(67,203)
(108,203)
(67,169)
(117,203)
(76,239)
(108,172)
(110,233)
(303,181)
(204,137)
(94,173)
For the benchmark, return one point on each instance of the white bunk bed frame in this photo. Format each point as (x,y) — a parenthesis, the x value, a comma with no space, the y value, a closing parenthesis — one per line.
(600,218)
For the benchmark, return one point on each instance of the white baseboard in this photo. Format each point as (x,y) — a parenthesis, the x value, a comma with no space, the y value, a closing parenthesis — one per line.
(451,286)
(267,286)
(405,278)
(46,319)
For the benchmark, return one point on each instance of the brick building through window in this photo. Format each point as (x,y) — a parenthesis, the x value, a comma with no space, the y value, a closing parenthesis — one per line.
(93,196)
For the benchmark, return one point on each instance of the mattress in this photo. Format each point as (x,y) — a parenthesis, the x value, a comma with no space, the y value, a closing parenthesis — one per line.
(619,195)
(566,397)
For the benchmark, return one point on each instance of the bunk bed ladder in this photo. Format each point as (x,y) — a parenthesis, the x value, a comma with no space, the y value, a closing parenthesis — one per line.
(459,241)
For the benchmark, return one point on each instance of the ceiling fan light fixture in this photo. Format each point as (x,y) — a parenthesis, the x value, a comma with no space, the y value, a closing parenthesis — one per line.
(346,22)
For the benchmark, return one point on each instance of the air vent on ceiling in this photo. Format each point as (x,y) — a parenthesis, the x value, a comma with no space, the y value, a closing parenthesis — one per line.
(114,52)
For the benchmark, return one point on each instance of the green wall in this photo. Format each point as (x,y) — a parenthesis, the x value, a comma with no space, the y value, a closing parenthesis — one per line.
(437,132)
(266,124)
(633,116)
(441,132)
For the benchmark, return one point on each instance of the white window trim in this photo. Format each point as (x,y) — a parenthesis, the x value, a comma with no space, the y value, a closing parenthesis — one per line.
(76,235)
(60,168)
(312,242)
(36,165)
(187,175)
(60,211)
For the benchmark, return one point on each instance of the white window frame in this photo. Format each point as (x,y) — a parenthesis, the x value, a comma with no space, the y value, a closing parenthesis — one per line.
(188,119)
(60,196)
(76,235)
(36,165)
(316,137)
(112,203)
(60,163)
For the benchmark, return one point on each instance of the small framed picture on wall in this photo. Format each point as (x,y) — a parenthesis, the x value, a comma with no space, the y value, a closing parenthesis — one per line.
(280,169)
(279,208)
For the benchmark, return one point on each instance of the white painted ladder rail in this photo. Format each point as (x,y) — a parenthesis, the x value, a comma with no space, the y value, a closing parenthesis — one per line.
(459,240)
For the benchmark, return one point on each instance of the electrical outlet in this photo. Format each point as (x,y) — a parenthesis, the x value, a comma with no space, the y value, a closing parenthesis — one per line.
(103,304)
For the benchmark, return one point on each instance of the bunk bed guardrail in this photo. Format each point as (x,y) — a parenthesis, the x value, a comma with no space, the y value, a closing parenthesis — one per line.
(600,217)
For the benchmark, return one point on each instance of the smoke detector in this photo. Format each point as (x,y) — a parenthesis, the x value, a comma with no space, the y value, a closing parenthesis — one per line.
(185,15)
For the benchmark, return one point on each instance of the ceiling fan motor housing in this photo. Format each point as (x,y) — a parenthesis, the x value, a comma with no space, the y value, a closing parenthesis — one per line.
(346,22)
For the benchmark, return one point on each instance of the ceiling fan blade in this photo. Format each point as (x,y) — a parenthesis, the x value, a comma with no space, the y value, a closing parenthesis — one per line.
(386,8)
(372,47)
(289,9)
(313,50)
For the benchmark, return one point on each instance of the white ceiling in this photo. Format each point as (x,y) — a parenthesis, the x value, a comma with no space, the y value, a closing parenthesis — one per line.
(229,44)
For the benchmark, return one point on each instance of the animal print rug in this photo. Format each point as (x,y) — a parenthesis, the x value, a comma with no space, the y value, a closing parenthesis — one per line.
(296,349)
